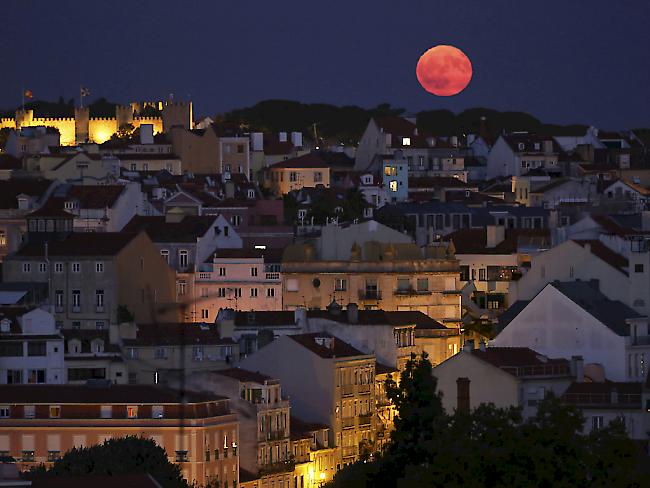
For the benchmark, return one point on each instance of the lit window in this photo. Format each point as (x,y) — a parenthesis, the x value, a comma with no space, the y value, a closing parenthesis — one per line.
(406,141)
(132,412)
(393,185)
(55,412)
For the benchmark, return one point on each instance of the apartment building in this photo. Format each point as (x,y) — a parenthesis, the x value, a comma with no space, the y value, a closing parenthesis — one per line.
(329,382)
(31,347)
(241,279)
(92,275)
(306,171)
(39,423)
(375,275)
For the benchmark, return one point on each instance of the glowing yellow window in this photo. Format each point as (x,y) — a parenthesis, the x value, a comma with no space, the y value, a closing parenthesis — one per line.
(132,412)
(393,185)
(55,412)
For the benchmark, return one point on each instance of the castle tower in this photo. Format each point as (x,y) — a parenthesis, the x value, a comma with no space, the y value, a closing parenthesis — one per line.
(123,115)
(24,118)
(81,124)
(177,114)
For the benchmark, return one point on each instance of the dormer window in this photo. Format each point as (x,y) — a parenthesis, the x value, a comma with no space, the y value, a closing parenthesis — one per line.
(5,325)
(406,141)
(23,203)
(69,205)
(251,194)
(537,146)
(521,146)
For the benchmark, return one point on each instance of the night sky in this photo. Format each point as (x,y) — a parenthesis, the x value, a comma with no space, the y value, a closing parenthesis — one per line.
(563,61)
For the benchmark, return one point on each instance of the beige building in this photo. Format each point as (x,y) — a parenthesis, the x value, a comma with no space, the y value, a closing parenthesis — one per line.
(307,171)
(329,382)
(91,275)
(504,376)
(375,275)
(40,423)
(211,151)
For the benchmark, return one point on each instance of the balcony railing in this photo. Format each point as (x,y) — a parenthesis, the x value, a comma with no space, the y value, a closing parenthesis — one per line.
(347,390)
(347,422)
(406,292)
(273,276)
(369,295)
(275,435)
(278,467)
(363,388)
(543,370)
(365,419)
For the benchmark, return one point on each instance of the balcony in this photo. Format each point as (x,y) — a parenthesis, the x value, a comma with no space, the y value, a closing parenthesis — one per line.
(348,452)
(348,422)
(365,420)
(273,276)
(364,388)
(372,295)
(275,435)
(407,292)
(278,467)
(347,390)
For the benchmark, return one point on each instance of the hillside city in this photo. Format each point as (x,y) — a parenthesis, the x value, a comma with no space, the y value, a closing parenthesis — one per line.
(241,295)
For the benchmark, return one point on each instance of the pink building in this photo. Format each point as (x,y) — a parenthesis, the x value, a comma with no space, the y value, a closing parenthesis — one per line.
(241,279)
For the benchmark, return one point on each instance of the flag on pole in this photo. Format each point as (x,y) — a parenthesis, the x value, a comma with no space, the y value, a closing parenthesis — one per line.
(28,94)
(85,91)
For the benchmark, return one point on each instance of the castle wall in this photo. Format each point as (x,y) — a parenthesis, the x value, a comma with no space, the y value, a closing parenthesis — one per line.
(101,129)
(157,123)
(7,123)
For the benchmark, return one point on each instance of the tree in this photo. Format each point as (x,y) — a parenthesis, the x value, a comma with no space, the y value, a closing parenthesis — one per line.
(125,455)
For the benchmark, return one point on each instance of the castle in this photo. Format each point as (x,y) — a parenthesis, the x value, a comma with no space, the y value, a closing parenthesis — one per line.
(84,128)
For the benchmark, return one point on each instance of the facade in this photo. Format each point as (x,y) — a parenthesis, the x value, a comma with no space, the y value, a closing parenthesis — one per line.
(241,279)
(376,276)
(308,171)
(94,355)
(31,347)
(329,382)
(91,275)
(39,423)
(568,319)
(518,153)
(504,376)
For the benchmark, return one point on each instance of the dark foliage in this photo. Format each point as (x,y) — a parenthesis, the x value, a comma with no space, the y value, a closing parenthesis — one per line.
(126,455)
(493,447)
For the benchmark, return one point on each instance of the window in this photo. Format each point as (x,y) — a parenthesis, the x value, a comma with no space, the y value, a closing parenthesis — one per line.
(76,267)
(270,292)
(226,230)
(133,353)
(318,177)
(15,376)
(340,284)
(106,411)
(134,166)
(58,267)
(403,284)
(596,422)
(423,284)
(253,292)
(182,287)
(132,412)
(292,284)
(99,267)
(4,411)
(237,292)
(181,457)
(205,313)
(393,185)
(55,412)
(160,353)
(157,411)
(165,255)
(197,353)
(222,271)
(42,267)
(406,141)
(76,300)
(221,293)
(37,348)
(100,325)
(99,300)
(481,274)
(36,376)
(182,258)
(28,456)
(293,176)
(29,411)
(638,268)
(254,271)
(236,220)
(27,267)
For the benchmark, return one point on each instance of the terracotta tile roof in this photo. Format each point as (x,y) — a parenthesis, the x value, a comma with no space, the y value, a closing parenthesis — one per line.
(522,361)
(10,189)
(338,349)
(246,376)
(96,196)
(171,334)
(187,230)
(269,255)
(143,480)
(474,241)
(529,139)
(603,252)
(610,226)
(112,394)
(52,208)
(80,244)
(311,160)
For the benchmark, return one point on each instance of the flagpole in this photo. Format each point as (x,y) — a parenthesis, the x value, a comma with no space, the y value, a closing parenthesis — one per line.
(23,95)
(81,97)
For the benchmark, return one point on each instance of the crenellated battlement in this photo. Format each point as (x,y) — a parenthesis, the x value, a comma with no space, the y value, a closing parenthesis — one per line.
(102,119)
(53,119)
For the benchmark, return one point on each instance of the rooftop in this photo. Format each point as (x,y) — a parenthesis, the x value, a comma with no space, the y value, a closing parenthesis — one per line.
(326,345)
(246,376)
(311,160)
(159,230)
(523,361)
(170,334)
(81,244)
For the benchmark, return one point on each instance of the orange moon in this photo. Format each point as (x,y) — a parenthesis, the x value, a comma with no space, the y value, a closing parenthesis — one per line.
(444,70)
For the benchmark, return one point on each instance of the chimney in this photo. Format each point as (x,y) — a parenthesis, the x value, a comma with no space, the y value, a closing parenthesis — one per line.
(230,189)
(300,316)
(353,313)
(296,139)
(282,137)
(469,345)
(146,134)
(578,369)
(495,235)
(462,399)
(481,345)
(257,141)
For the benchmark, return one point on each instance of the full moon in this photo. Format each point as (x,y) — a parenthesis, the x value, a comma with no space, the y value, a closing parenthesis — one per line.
(444,70)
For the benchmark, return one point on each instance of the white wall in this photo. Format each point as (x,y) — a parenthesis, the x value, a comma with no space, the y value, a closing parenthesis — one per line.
(554,325)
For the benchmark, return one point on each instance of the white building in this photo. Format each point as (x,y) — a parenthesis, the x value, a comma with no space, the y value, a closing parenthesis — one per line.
(32,347)
(517,153)
(567,319)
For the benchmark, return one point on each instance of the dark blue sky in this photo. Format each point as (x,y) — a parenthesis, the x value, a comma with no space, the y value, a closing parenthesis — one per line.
(562,60)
